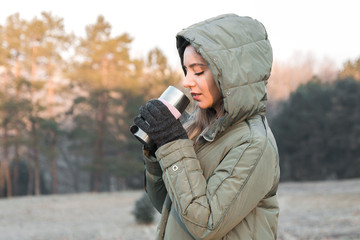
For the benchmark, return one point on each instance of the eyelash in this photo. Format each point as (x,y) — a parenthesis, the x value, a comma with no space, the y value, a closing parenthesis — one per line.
(198,74)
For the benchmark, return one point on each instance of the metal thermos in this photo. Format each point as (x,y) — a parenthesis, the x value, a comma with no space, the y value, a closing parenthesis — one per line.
(175,100)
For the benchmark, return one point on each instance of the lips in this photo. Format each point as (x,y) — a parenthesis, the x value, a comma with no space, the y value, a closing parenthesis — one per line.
(195,96)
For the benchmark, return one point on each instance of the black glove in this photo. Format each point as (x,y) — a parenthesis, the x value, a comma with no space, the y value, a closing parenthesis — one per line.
(158,122)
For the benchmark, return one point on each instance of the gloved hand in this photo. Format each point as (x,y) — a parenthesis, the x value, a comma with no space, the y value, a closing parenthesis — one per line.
(158,122)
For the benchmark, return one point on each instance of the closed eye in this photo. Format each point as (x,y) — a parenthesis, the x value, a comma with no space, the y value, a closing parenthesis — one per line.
(199,73)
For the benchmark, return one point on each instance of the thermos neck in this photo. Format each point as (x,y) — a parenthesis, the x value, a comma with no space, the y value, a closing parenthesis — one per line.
(176,98)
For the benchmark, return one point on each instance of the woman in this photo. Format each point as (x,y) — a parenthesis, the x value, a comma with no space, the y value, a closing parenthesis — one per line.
(218,178)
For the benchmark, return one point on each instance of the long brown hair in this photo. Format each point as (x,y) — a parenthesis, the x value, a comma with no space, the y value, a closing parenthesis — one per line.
(201,119)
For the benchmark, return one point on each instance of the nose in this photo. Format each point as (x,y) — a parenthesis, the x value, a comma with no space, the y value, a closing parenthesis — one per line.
(188,81)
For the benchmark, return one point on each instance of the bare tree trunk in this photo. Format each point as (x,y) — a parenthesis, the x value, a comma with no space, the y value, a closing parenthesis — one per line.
(33,125)
(30,187)
(100,140)
(16,176)
(2,179)
(6,164)
(5,177)
(8,178)
(5,168)
(98,150)
(35,158)
(52,133)
(53,162)
(16,135)
(101,118)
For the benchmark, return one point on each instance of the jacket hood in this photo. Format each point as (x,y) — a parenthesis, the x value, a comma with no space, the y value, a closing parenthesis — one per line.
(239,54)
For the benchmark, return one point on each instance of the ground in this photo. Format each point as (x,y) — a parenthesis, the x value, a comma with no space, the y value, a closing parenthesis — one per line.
(320,210)
(311,210)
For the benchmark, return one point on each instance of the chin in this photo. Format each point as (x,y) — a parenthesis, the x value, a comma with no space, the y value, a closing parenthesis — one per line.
(204,106)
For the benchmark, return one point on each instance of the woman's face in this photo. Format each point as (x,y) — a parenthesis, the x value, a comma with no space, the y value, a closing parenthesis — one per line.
(200,80)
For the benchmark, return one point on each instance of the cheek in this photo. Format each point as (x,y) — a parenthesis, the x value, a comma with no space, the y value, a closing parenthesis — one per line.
(216,94)
(213,89)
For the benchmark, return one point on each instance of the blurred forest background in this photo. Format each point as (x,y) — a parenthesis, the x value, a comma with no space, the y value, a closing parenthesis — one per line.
(66,104)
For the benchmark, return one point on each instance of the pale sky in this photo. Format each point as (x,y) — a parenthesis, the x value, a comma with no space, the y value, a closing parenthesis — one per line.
(325,29)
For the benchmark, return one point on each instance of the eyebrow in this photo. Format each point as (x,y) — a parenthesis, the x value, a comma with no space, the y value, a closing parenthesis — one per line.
(195,64)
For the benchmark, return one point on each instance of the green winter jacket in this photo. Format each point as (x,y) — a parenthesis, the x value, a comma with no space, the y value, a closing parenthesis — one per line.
(224,185)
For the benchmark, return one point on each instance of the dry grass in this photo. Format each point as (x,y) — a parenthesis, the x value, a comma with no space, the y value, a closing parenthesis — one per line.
(312,210)
(320,210)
